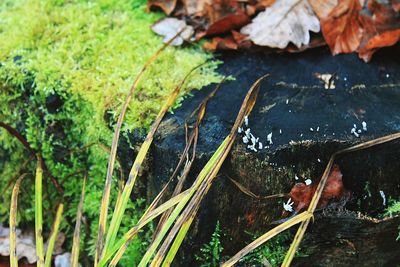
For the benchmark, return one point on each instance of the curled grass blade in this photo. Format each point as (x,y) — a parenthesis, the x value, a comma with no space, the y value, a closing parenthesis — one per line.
(53,235)
(77,231)
(13,222)
(111,161)
(303,226)
(184,221)
(38,213)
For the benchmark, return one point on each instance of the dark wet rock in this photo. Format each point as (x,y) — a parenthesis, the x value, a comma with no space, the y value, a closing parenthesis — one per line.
(292,100)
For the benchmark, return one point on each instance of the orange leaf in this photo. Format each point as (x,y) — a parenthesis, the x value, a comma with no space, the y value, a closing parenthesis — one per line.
(342,27)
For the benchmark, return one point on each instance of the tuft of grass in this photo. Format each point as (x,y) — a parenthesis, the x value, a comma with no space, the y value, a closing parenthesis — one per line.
(210,254)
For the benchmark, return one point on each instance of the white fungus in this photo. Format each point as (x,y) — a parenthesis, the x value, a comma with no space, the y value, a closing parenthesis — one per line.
(359,131)
(311,129)
(319,160)
(280,131)
(318,129)
(260,145)
(246,121)
(269,138)
(287,101)
(288,205)
(296,177)
(383,197)
(240,130)
(245,139)
(387,75)
(308,181)
(364,126)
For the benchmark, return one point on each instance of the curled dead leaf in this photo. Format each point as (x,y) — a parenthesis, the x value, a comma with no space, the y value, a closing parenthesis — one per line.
(167,6)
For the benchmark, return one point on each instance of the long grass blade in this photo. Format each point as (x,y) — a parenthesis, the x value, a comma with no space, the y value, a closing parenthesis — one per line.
(111,161)
(53,235)
(123,243)
(191,141)
(77,231)
(204,184)
(13,222)
(314,201)
(123,200)
(267,236)
(38,213)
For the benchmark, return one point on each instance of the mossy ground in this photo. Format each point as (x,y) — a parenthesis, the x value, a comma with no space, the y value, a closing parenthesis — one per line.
(65,68)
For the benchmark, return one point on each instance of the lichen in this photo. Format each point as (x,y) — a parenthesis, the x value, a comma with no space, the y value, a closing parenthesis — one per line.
(65,69)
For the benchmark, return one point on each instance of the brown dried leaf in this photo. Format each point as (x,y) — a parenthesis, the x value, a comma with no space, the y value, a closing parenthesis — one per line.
(167,6)
(283,22)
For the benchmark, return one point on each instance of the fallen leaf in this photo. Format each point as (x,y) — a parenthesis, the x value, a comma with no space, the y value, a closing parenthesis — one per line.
(283,22)
(227,43)
(167,6)
(228,23)
(169,27)
(342,28)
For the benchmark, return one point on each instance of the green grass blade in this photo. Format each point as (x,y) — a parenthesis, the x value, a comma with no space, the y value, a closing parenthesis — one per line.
(38,213)
(77,231)
(113,153)
(13,222)
(175,213)
(123,200)
(183,223)
(122,244)
(53,235)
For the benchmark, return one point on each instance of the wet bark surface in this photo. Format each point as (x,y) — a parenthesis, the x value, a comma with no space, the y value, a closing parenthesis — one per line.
(291,102)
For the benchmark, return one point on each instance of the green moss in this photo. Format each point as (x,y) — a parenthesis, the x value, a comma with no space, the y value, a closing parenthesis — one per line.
(65,68)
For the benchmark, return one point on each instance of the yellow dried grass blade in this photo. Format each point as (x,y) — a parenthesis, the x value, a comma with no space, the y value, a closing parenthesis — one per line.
(123,243)
(303,226)
(267,236)
(111,162)
(13,222)
(38,213)
(77,231)
(184,221)
(53,235)
(123,200)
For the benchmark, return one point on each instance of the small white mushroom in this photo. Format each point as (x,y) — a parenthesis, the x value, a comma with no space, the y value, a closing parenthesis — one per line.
(287,101)
(296,177)
(311,129)
(245,139)
(359,131)
(318,129)
(364,126)
(354,126)
(240,130)
(387,75)
(356,134)
(308,181)
(260,145)
(383,197)
(319,160)
(269,138)
(288,205)
(246,121)
(247,132)
(280,131)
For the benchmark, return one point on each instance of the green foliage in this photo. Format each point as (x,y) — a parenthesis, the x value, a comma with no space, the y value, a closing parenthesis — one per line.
(273,251)
(392,210)
(210,254)
(65,68)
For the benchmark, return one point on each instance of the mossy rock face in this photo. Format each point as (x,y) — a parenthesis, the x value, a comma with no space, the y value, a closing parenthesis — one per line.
(292,100)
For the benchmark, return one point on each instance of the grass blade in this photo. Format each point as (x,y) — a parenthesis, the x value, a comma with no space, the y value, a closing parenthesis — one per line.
(111,161)
(77,231)
(53,235)
(13,222)
(123,200)
(123,243)
(267,236)
(38,213)
(303,226)
(184,221)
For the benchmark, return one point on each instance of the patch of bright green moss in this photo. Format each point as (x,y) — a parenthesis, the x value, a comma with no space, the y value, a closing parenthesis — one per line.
(84,55)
